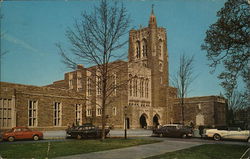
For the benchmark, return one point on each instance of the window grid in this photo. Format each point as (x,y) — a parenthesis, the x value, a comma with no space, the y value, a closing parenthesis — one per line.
(78,108)
(32,113)
(57,114)
(5,112)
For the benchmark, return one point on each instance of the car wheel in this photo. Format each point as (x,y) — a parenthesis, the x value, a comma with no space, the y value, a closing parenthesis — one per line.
(248,140)
(35,137)
(11,138)
(216,137)
(184,136)
(79,137)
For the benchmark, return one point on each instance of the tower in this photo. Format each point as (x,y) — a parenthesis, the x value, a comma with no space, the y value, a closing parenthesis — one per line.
(148,47)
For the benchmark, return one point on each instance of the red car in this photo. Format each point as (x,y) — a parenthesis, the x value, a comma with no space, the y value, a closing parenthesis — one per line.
(18,133)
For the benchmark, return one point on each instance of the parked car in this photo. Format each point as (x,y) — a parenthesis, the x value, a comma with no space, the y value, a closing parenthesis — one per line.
(227,133)
(174,130)
(85,131)
(18,133)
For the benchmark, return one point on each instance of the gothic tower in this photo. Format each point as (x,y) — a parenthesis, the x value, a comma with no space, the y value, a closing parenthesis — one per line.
(148,46)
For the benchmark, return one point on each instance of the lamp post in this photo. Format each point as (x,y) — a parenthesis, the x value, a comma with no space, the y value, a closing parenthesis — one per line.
(125,122)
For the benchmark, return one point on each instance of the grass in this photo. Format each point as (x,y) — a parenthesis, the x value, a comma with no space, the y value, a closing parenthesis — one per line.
(65,148)
(209,151)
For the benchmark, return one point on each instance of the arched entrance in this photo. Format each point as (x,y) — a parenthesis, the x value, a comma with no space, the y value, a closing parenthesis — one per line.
(156,120)
(143,121)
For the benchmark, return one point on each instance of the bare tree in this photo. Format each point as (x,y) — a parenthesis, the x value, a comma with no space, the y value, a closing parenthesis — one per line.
(95,40)
(183,79)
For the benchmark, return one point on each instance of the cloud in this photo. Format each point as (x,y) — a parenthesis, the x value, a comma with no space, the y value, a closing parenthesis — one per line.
(21,43)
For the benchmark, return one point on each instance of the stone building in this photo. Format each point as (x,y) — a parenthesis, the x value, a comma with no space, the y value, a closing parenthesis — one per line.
(143,99)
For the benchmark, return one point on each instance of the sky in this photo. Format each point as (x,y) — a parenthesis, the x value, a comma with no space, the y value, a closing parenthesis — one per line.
(32,28)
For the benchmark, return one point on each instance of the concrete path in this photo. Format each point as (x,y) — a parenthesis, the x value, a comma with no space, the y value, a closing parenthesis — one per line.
(136,152)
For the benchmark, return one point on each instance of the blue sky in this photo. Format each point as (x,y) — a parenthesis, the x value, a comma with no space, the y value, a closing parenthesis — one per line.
(31,29)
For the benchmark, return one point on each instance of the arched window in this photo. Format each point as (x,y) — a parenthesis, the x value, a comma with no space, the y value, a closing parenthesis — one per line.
(135,86)
(138,50)
(144,48)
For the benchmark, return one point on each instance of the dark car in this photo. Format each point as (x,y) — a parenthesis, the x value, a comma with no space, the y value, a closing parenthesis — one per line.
(85,131)
(174,130)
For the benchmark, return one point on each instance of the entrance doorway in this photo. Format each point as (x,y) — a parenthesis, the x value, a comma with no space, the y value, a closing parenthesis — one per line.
(143,121)
(156,120)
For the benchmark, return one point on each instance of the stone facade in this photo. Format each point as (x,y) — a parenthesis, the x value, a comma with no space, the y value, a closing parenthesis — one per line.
(141,96)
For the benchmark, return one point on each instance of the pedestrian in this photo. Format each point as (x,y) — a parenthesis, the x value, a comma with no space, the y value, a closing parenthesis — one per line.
(201,128)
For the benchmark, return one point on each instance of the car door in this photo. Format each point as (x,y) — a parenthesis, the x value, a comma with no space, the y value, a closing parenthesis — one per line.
(27,134)
(18,133)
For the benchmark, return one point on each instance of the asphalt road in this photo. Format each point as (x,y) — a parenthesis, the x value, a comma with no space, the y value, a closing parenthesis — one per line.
(56,136)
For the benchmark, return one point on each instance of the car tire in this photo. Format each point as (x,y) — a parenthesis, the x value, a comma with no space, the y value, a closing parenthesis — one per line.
(78,137)
(248,140)
(184,136)
(217,137)
(35,137)
(11,139)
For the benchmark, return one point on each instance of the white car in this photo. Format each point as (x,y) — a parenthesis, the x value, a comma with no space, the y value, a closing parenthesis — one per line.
(228,133)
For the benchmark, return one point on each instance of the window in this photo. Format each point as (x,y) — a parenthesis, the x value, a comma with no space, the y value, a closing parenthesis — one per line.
(146,88)
(88,111)
(141,87)
(130,85)
(114,111)
(32,113)
(138,50)
(99,85)
(5,112)
(70,81)
(144,48)
(79,84)
(161,49)
(135,87)
(88,86)
(98,111)
(78,114)
(114,83)
(57,114)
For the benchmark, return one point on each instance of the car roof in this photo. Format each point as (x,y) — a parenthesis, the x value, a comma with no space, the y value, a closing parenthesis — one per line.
(19,127)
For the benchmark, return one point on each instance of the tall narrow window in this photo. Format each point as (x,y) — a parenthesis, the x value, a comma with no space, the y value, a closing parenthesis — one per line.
(99,85)
(138,50)
(70,81)
(135,87)
(142,87)
(146,88)
(130,85)
(79,81)
(78,114)
(114,111)
(88,86)
(57,114)
(32,113)
(144,48)
(115,83)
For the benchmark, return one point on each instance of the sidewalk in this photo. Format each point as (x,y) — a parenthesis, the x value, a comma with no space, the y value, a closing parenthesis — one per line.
(136,152)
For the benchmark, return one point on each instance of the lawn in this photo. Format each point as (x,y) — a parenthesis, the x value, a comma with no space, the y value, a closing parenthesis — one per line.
(64,148)
(209,151)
